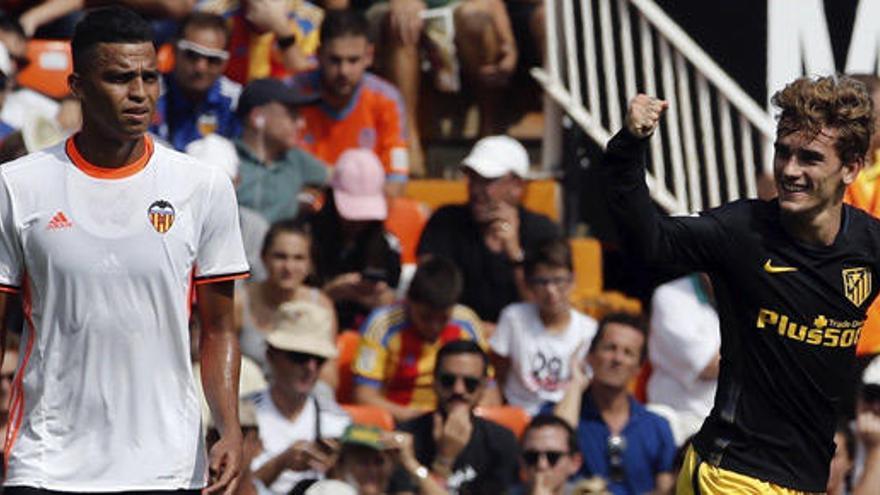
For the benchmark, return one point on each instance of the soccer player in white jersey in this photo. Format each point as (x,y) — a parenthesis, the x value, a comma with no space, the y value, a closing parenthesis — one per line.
(108,237)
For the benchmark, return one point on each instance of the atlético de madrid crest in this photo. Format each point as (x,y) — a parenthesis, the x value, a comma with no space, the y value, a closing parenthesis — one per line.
(857,284)
(161,215)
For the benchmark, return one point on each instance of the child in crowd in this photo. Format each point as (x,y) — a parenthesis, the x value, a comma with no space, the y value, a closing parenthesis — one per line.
(534,341)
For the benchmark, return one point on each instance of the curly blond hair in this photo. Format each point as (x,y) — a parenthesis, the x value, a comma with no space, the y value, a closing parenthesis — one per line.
(809,104)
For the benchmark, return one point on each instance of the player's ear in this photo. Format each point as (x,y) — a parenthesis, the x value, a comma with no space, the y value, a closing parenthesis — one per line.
(851,170)
(74,82)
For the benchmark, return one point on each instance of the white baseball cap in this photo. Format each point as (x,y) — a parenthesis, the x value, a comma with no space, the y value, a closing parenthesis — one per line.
(496,156)
(5,61)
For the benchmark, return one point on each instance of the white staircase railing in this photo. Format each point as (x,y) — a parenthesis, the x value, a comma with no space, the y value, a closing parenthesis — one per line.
(714,138)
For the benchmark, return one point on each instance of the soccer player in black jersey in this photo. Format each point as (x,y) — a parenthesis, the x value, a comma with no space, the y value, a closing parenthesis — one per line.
(793,277)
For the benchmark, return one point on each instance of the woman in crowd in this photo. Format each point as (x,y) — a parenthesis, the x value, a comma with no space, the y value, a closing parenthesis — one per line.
(286,255)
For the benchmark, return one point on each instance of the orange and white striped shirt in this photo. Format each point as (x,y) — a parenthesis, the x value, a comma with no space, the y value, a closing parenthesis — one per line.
(106,259)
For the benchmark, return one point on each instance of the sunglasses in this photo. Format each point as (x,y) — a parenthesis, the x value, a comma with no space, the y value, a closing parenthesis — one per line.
(616,447)
(448,380)
(303,358)
(532,456)
(194,52)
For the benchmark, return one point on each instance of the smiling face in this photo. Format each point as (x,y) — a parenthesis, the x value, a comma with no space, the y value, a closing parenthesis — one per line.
(810,177)
(118,88)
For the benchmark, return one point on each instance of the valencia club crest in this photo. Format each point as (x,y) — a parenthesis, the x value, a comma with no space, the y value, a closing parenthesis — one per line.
(161,215)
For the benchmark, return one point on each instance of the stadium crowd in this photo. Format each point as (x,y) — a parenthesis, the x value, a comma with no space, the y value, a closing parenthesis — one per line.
(363,372)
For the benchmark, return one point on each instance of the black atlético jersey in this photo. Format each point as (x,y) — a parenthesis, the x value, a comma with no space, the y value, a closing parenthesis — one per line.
(790,319)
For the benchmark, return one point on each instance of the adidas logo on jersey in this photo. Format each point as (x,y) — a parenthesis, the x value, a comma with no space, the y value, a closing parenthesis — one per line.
(59,221)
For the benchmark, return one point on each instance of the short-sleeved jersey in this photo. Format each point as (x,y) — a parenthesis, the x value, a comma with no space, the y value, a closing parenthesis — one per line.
(106,261)
(393,357)
(790,317)
(254,55)
(374,119)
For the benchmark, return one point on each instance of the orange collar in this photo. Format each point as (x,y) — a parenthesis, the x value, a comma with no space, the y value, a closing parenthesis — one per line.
(100,172)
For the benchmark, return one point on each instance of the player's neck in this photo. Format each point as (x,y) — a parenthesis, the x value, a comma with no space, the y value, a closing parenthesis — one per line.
(258,146)
(555,321)
(103,151)
(335,101)
(611,402)
(818,229)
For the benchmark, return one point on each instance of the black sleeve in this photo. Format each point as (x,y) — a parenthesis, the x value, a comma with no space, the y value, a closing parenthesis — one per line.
(505,471)
(694,242)
(435,235)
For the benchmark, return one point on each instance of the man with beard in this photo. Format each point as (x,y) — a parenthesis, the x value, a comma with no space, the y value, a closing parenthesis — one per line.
(357,109)
(469,454)
(490,236)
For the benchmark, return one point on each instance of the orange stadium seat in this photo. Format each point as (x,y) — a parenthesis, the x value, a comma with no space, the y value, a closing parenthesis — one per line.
(165,58)
(370,415)
(513,418)
(51,63)
(406,220)
(346,344)
(542,196)
(586,253)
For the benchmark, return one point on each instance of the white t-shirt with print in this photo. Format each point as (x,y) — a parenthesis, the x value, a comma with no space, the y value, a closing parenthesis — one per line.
(539,358)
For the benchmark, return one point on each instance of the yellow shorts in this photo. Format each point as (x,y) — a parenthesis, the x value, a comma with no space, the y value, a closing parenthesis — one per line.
(700,478)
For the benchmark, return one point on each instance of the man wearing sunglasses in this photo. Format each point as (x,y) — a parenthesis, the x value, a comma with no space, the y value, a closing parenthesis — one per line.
(468,454)
(549,457)
(297,429)
(197,99)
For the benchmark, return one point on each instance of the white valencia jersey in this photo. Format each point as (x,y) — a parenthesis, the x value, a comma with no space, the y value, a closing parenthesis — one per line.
(106,260)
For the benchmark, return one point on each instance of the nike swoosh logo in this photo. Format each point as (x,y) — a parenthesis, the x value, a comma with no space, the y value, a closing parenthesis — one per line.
(769,268)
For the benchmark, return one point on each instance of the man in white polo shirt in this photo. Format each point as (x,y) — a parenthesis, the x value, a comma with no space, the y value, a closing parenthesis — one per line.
(108,237)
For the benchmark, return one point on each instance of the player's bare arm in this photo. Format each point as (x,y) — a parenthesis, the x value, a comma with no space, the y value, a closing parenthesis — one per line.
(221,363)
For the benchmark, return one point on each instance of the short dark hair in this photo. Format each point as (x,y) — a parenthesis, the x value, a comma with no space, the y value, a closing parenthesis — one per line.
(10,24)
(628,319)
(284,226)
(544,420)
(437,283)
(338,23)
(555,253)
(203,20)
(454,347)
(113,24)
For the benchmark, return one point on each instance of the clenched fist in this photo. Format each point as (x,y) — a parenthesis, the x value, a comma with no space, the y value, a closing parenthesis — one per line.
(643,115)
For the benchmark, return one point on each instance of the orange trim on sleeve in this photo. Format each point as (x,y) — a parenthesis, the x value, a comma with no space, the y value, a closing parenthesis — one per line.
(9,289)
(100,172)
(16,399)
(221,278)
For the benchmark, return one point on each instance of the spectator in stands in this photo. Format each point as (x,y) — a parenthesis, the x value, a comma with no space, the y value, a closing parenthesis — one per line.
(620,440)
(197,100)
(286,254)
(532,344)
(550,456)
(7,78)
(357,262)
(866,474)
(492,234)
(684,351)
(273,170)
(296,428)
(470,454)
(366,460)
(357,109)
(399,342)
(484,45)
(270,38)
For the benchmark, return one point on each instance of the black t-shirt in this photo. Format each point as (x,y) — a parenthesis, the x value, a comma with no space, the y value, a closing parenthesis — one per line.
(489,284)
(790,318)
(487,465)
